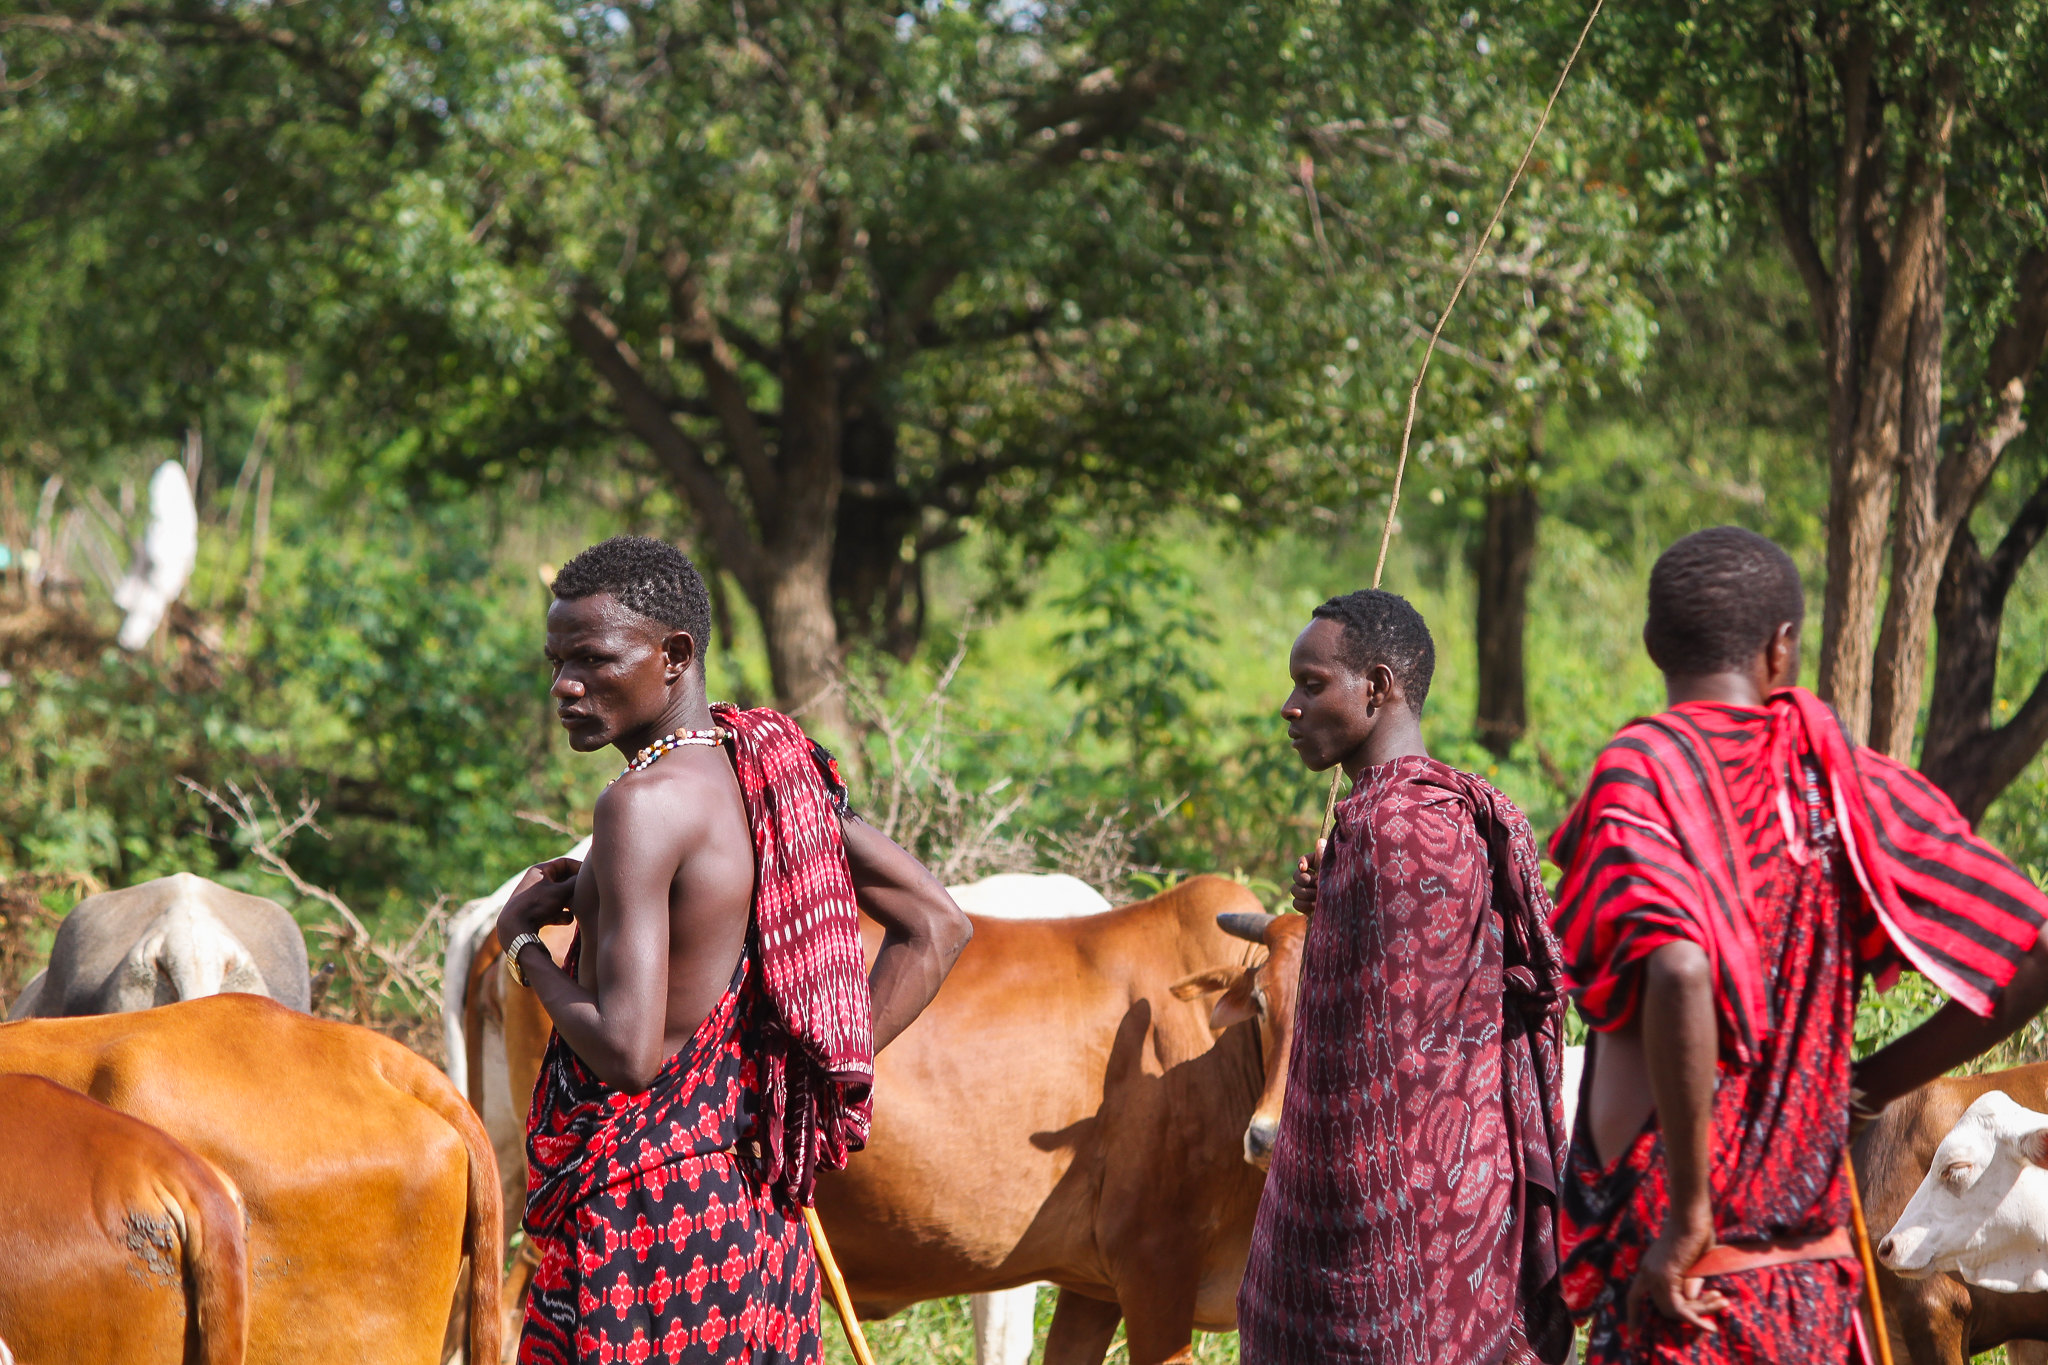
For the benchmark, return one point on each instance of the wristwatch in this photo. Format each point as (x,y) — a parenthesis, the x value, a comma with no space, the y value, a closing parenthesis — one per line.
(512,952)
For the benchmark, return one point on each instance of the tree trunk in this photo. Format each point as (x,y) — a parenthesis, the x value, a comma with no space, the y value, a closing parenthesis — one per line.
(795,607)
(1920,534)
(877,574)
(1507,556)
(1966,754)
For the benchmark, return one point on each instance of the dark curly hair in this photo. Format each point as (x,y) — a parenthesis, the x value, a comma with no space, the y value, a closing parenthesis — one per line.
(650,577)
(1383,628)
(1716,598)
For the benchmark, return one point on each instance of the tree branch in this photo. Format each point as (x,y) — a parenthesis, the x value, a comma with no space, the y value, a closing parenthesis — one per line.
(2009,368)
(1099,107)
(596,338)
(706,345)
(268,847)
(2028,525)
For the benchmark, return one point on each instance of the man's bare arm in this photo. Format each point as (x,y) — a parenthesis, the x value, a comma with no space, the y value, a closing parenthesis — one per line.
(620,1031)
(1680,1040)
(1953,1035)
(923,932)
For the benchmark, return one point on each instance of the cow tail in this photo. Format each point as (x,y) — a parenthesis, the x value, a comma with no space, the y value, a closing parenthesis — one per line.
(483,1220)
(216,1268)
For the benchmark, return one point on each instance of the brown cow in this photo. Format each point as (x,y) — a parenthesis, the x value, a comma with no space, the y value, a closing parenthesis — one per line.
(121,1246)
(505,1032)
(1065,1111)
(1940,1320)
(366,1177)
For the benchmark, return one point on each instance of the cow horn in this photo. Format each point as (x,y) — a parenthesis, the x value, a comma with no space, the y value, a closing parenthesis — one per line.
(1245,924)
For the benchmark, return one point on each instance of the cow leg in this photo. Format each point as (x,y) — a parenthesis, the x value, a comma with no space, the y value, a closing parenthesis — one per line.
(1081,1330)
(1929,1319)
(525,1260)
(1005,1325)
(2026,1352)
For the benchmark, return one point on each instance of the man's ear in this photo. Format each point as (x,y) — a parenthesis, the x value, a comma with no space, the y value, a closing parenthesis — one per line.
(680,649)
(1781,655)
(1381,686)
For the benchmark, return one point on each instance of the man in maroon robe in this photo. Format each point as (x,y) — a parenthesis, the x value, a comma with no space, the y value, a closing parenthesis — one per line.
(1408,1218)
(1735,866)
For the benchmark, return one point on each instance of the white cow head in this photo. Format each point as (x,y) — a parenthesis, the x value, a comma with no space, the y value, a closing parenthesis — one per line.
(1981,1211)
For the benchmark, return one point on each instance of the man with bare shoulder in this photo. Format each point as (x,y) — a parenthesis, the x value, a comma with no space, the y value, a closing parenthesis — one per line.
(1736,865)
(715,1030)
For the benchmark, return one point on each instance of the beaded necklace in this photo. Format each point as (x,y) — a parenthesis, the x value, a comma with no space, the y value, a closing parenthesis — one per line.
(676,739)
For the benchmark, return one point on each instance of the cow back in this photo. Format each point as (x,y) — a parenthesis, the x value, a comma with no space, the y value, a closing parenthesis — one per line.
(354,1158)
(169,939)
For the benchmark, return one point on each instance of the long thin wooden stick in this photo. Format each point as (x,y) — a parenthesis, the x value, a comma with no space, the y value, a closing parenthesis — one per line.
(1471,264)
(1379,567)
(841,1300)
(1883,1334)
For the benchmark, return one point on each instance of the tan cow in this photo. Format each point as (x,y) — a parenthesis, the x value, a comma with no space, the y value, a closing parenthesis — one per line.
(366,1177)
(1066,1110)
(1940,1320)
(119,1244)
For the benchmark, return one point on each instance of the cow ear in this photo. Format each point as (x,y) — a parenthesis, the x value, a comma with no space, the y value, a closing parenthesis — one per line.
(1201,983)
(2033,1146)
(1234,1006)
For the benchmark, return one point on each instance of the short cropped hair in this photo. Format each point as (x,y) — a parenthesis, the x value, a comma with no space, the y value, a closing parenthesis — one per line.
(1383,628)
(650,577)
(1716,598)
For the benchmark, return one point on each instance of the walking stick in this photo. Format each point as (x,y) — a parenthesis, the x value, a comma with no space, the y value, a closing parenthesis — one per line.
(1884,1338)
(844,1303)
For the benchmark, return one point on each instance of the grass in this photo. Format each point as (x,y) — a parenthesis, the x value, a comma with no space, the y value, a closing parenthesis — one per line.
(940,1332)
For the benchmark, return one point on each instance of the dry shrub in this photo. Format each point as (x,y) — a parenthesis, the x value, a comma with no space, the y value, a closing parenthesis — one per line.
(964,835)
(394,988)
(25,920)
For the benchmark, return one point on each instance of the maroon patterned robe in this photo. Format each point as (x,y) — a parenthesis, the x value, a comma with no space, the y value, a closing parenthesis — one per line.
(1798,862)
(1408,1215)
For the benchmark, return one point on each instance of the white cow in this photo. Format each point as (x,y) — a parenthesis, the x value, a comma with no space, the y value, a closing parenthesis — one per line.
(1981,1212)
(175,938)
(170,547)
(1004,1322)
(466,929)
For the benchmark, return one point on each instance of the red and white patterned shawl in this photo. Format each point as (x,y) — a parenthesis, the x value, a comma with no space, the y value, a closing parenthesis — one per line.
(818,1065)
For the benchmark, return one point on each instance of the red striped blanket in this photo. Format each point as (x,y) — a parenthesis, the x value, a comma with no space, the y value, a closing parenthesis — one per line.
(1943,900)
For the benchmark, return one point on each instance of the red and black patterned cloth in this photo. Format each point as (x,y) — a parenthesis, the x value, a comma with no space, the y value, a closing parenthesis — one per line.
(1799,863)
(658,1239)
(1408,1218)
(818,1058)
(669,1222)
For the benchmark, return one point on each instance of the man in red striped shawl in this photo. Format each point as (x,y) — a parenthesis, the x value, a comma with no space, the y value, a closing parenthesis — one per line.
(714,1031)
(1735,866)
(1408,1218)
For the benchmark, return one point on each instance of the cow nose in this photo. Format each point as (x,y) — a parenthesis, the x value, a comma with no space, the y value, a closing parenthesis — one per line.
(1259,1136)
(1886,1250)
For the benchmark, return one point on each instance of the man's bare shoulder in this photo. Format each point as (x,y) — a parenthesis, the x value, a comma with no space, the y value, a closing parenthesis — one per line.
(667,807)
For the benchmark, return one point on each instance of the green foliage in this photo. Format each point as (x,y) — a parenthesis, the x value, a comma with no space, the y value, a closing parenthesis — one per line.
(1133,647)
(394,677)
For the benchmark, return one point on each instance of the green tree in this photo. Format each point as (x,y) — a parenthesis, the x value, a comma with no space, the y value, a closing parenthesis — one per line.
(1896,151)
(851,280)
